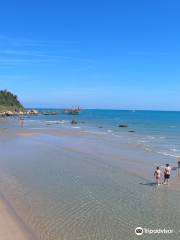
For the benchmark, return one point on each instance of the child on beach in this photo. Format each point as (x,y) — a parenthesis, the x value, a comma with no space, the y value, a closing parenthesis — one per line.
(167,174)
(157,175)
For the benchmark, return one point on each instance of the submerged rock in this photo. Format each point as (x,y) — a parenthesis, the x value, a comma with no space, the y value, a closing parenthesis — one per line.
(74,122)
(123,126)
(131,131)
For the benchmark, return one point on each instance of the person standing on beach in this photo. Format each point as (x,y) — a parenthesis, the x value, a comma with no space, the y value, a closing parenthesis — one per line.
(21,121)
(157,175)
(178,167)
(167,174)
(179,163)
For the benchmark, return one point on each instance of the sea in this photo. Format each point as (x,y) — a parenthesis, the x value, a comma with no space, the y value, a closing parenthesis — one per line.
(156,131)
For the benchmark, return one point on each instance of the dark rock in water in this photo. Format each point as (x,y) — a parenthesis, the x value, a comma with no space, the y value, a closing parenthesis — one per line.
(72,111)
(74,122)
(49,113)
(123,126)
(131,131)
(100,127)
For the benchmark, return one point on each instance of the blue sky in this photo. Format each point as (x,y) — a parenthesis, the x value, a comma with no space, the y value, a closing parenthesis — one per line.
(93,54)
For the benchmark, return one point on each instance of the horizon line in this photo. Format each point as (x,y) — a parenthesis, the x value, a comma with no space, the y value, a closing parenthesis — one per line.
(108,109)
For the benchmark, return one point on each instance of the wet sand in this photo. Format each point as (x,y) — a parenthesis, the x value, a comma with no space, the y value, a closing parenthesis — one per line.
(10,226)
(70,184)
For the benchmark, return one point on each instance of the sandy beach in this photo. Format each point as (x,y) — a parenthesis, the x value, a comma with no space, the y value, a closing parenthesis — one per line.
(10,226)
(73,184)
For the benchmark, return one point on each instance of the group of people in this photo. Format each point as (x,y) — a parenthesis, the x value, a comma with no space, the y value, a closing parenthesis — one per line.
(158,174)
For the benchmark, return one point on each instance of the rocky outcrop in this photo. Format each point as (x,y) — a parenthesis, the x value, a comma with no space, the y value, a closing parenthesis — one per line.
(32,112)
(11,113)
(74,122)
(123,126)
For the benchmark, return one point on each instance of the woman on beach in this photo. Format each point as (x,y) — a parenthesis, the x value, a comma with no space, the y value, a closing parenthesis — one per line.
(167,174)
(157,175)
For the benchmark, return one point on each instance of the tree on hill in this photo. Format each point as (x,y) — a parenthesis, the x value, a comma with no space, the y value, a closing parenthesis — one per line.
(9,101)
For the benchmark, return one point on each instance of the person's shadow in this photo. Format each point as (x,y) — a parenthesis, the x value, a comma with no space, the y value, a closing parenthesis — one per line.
(150,184)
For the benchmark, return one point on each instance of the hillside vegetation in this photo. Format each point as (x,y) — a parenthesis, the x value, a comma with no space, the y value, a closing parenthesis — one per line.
(9,102)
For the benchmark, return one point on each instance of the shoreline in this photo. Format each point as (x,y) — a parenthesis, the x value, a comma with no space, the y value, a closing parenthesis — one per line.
(142,161)
(11,225)
(77,162)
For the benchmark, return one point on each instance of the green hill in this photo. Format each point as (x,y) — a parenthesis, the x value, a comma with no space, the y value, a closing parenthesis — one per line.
(9,102)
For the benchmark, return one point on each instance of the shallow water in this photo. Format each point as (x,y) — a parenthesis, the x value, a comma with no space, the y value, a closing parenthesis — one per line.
(156,131)
(68,187)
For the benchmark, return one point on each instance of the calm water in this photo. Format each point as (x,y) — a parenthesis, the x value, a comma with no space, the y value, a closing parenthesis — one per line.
(64,194)
(156,130)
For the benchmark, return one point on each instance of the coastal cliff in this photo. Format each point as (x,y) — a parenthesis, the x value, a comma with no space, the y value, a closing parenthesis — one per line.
(11,106)
(9,102)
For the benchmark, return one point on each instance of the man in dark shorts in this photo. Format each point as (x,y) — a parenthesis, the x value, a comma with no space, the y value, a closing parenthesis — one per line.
(167,174)
(179,163)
